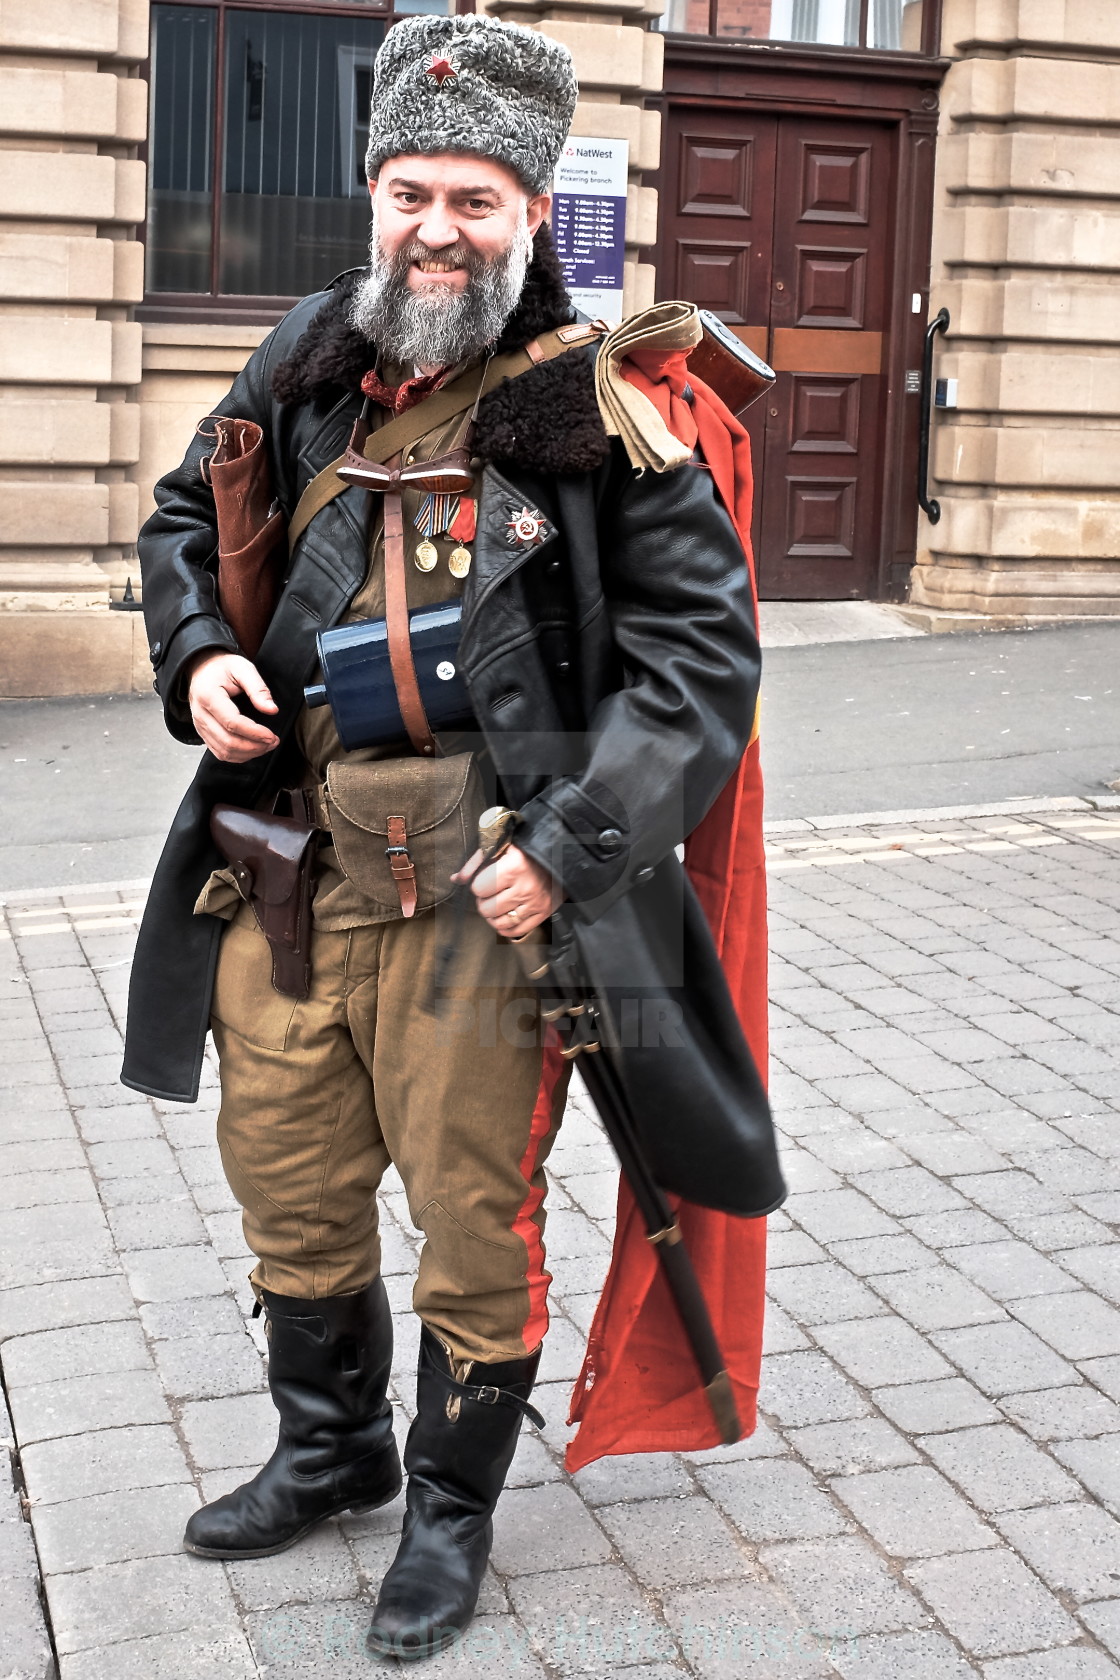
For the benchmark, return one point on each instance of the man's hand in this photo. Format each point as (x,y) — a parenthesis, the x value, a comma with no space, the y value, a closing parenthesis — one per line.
(215,680)
(513,894)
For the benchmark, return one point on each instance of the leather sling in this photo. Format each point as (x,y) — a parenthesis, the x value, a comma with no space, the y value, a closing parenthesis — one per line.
(413,715)
(452,399)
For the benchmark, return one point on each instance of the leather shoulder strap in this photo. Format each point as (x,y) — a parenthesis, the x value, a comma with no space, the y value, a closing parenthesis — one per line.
(444,404)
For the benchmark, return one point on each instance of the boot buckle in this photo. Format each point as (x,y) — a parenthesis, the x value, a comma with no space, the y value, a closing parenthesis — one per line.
(489,1395)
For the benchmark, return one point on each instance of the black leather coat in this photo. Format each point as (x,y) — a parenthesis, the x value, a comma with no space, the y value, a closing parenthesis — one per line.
(613,670)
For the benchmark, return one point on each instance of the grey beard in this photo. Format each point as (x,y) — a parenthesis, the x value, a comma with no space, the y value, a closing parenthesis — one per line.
(438,327)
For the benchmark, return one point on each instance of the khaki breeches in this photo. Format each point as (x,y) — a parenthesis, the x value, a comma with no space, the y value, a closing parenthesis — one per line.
(320,1095)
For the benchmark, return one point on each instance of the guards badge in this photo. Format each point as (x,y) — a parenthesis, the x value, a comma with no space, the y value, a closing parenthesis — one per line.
(526,527)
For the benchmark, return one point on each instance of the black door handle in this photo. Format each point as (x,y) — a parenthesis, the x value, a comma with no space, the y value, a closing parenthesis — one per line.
(929,506)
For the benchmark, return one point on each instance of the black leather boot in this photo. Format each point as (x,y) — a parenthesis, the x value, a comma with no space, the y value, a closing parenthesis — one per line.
(457,1456)
(328,1368)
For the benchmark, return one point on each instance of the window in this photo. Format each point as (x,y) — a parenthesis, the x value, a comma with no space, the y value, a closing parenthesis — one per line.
(257,137)
(887,25)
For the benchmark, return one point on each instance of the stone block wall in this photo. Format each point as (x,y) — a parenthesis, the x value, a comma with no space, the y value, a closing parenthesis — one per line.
(619,63)
(73,111)
(1026,255)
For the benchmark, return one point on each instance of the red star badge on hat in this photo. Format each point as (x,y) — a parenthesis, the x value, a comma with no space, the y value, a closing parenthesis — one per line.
(440,70)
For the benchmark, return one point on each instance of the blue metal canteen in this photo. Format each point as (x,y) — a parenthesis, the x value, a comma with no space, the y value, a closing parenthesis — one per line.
(358,683)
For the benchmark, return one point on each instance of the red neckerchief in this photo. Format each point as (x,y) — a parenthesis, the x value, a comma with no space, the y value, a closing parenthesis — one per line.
(407,394)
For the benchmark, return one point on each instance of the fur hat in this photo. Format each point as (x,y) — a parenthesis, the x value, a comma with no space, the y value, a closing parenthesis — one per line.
(472,84)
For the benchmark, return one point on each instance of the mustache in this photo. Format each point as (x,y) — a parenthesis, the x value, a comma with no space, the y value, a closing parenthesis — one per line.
(459,255)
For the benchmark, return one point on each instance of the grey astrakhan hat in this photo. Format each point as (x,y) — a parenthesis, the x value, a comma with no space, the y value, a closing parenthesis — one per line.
(472,84)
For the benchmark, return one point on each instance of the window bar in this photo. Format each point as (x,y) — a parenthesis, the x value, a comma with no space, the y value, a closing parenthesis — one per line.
(713,17)
(864,10)
(219,148)
(931,28)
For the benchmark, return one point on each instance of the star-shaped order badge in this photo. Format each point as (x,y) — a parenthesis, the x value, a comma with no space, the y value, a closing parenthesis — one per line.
(526,527)
(440,71)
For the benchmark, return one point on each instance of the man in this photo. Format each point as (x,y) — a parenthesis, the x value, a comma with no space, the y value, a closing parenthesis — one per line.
(609,651)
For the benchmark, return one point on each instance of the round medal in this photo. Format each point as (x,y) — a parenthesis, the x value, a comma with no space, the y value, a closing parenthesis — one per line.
(459,561)
(426,556)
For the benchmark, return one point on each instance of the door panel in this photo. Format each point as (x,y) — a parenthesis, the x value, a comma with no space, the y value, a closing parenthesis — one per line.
(782,225)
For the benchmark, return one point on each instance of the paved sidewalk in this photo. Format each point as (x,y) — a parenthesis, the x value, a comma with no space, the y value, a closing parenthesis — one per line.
(935,1490)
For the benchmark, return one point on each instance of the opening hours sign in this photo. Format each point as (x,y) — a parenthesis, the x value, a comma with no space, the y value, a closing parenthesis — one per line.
(589,222)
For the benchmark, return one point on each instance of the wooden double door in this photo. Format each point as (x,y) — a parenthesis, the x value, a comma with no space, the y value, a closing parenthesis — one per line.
(783,225)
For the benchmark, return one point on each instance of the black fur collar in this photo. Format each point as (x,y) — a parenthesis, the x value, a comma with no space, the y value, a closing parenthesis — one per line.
(546,420)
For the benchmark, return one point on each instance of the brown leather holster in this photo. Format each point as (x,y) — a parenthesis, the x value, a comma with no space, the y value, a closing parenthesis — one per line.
(271,860)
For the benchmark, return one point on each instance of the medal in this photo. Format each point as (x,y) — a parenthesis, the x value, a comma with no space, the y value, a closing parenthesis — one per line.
(459,561)
(426,556)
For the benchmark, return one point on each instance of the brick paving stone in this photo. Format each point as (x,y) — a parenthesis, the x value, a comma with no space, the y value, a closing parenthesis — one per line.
(1004,1358)
(1096,1464)
(835,1213)
(764,1443)
(77,1405)
(47,1189)
(164,1224)
(904,1656)
(150,1156)
(168,1274)
(808,1388)
(954,1151)
(772,1499)
(1075,1548)
(1064,1413)
(956,1230)
(198,1315)
(237,1429)
(1054,1231)
(116,1192)
(823,1294)
(998,1469)
(113,1527)
(992,1603)
(118,1601)
(842,1583)
(1073,1662)
(206,1367)
(727,1632)
(103,1462)
(909,1191)
(54,1155)
(843,1449)
(937,1298)
(791,1248)
(913,1512)
(1010,1270)
(644,1476)
(948,1403)
(115,1124)
(1079,1325)
(1098,1267)
(855,1148)
(1104,1620)
(545,1527)
(779,1332)
(675,1542)
(868,1256)
(1010,1193)
(320,1567)
(876,1351)
(584,1620)
(80,1350)
(183,1656)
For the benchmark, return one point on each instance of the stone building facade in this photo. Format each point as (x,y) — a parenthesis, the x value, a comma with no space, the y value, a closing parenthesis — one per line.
(99,390)
(1026,257)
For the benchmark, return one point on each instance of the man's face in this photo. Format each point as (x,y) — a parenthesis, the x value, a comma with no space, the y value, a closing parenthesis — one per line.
(450,247)
(447,209)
